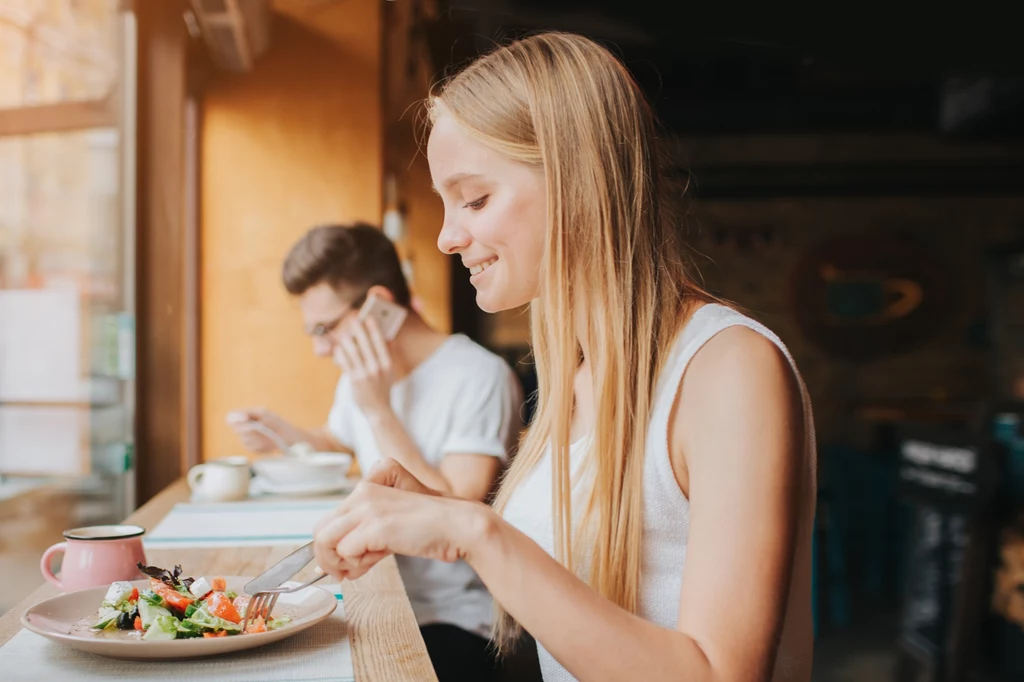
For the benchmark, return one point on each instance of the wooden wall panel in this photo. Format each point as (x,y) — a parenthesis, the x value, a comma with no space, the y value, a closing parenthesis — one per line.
(296,142)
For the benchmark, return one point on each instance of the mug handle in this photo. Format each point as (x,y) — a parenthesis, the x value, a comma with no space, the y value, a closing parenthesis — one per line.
(195,474)
(908,296)
(44,564)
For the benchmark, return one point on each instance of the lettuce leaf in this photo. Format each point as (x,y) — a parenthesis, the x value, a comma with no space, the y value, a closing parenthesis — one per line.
(164,627)
(148,612)
(153,598)
(187,630)
(208,622)
(279,622)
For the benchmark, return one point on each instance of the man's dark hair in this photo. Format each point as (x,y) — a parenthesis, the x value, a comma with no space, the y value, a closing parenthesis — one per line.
(347,257)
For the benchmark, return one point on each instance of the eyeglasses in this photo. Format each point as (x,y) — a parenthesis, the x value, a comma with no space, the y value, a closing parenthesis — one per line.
(325,328)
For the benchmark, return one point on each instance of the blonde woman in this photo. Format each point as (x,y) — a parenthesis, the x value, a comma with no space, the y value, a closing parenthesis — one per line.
(656,524)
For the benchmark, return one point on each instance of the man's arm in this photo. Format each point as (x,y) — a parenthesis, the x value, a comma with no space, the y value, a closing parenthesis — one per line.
(241,421)
(324,441)
(464,475)
(482,428)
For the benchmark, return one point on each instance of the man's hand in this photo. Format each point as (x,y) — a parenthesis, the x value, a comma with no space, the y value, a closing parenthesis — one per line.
(255,440)
(241,421)
(364,356)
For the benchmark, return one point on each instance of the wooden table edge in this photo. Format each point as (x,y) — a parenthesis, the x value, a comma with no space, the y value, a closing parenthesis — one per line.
(412,663)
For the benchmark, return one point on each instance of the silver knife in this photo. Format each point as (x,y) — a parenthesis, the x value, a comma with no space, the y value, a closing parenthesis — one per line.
(282,571)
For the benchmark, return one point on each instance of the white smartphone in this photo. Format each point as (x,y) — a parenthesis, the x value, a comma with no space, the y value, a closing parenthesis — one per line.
(389,316)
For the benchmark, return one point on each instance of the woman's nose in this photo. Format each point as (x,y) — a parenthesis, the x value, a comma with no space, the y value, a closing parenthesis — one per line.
(452,238)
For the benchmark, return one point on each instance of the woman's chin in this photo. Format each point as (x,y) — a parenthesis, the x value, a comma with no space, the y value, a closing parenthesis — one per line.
(490,301)
(493,294)
(486,304)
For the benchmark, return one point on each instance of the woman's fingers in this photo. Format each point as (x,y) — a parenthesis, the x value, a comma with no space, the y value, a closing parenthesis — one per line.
(326,541)
(385,472)
(389,473)
(366,562)
(347,542)
(365,539)
(335,513)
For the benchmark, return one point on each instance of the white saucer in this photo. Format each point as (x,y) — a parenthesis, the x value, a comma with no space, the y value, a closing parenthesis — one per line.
(261,486)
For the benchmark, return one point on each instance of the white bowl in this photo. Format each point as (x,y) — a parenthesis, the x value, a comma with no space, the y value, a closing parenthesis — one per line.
(317,467)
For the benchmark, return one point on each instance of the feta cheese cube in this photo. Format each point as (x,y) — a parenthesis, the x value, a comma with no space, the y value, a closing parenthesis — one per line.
(118,592)
(200,588)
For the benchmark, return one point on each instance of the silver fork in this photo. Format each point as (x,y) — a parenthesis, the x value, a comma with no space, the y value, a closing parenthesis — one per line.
(262,603)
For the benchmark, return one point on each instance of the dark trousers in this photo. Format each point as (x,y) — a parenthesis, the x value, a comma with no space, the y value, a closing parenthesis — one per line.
(458,655)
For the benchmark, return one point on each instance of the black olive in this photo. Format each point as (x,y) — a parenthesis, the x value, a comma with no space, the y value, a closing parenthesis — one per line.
(126,621)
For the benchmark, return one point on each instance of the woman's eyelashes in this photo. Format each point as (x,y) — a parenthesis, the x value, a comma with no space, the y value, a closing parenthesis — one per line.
(476,204)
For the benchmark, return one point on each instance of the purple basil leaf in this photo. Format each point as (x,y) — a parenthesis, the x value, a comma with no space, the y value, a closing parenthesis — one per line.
(161,574)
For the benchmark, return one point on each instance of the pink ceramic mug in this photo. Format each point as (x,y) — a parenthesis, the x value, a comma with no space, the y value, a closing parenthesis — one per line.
(95,556)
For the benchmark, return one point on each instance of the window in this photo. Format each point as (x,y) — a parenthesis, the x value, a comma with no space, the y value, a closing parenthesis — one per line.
(66,240)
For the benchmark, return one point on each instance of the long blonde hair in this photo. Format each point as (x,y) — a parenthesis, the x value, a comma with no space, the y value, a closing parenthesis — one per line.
(614,253)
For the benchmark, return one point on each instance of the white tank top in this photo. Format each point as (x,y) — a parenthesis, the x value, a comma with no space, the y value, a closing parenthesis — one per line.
(667,510)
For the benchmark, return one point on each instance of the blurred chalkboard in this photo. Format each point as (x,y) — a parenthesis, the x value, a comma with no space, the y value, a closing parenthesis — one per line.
(933,574)
(948,476)
(943,468)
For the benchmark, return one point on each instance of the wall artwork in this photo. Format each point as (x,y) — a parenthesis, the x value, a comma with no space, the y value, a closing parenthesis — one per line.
(869,294)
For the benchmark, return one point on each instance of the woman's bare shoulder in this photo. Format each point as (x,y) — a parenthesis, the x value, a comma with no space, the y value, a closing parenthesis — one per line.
(738,390)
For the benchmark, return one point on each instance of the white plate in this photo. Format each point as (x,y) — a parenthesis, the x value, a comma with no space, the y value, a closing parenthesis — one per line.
(67,618)
(261,486)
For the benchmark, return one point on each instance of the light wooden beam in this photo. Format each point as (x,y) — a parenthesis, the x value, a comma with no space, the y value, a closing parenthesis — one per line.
(60,117)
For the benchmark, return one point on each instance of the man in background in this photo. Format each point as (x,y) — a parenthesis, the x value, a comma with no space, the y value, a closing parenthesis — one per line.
(443,406)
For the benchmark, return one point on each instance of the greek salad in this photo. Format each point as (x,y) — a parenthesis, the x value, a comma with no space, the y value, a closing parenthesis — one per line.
(178,608)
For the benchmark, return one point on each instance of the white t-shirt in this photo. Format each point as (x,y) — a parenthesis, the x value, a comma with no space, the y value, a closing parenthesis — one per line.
(462,399)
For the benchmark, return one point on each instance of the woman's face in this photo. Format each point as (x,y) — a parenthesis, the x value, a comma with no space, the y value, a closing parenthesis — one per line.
(494,215)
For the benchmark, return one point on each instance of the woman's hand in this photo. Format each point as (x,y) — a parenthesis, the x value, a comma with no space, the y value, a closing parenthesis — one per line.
(391,512)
